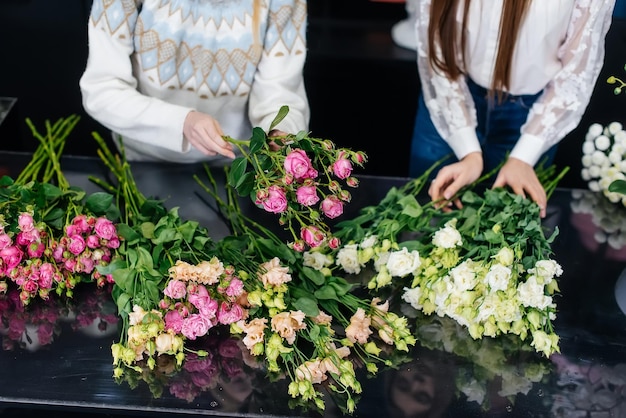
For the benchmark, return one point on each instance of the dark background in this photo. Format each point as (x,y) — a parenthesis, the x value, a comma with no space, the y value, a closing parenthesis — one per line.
(362,87)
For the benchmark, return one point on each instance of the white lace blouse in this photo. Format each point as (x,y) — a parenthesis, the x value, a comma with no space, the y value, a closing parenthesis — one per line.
(560,50)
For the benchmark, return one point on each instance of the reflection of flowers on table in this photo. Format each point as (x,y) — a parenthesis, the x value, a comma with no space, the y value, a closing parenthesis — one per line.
(587,389)
(29,327)
(599,222)
(505,363)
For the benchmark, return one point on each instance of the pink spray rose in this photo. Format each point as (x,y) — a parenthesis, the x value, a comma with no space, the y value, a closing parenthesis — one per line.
(175,289)
(174,321)
(312,235)
(332,206)
(298,164)
(11,256)
(25,222)
(195,326)
(77,244)
(276,201)
(227,314)
(342,168)
(307,195)
(104,228)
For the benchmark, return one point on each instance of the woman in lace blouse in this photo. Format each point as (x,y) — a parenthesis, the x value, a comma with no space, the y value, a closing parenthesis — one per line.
(508,77)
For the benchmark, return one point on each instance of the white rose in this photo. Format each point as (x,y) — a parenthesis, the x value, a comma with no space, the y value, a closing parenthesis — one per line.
(403,262)
(369,241)
(498,277)
(348,259)
(464,276)
(316,260)
(547,269)
(447,237)
(412,297)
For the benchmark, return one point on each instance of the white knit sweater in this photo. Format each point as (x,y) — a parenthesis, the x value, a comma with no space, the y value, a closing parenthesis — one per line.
(153,61)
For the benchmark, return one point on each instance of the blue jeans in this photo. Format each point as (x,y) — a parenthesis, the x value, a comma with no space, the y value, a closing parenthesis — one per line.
(498,129)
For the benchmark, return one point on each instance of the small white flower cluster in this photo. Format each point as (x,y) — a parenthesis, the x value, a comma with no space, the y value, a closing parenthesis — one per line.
(604,159)
(608,217)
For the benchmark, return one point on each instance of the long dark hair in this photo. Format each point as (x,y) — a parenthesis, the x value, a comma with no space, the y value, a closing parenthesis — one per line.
(442,29)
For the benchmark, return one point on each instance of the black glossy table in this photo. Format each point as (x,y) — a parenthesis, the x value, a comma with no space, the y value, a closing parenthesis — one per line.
(56,358)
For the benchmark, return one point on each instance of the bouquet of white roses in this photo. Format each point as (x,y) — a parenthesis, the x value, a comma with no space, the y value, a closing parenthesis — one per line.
(486,265)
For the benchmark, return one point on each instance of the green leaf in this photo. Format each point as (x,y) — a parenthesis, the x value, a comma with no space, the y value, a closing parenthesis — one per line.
(237,169)
(6,181)
(116,264)
(123,302)
(55,217)
(315,276)
(188,229)
(165,234)
(153,292)
(284,110)
(127,233)
(246,184)
(124,278)
(326,292)
(618,186)
(99,202)
(340,286)
(144,259)
(410,206)
(258,140)
(51,191)
(308,305)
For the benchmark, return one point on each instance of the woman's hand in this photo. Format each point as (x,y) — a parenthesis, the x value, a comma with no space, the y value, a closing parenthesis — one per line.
(205,134)
(453,177)
(522,179)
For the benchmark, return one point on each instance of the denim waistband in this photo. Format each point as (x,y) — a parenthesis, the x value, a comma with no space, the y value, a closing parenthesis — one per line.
(480,91)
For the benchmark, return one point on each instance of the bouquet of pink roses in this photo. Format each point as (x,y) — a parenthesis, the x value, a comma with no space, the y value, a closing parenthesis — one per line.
(52,235)
(300,178)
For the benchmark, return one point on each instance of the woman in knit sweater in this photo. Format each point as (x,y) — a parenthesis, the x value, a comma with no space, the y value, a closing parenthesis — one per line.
(169,78)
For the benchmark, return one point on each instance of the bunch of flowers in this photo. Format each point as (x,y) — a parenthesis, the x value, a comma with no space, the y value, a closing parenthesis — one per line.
(603,160)
(195,299)
(503,366)
(487,265)
(174,284)
(302,179)
(305,322)
(52,236)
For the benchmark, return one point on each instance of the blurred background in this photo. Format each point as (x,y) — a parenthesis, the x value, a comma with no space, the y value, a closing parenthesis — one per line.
(362,85)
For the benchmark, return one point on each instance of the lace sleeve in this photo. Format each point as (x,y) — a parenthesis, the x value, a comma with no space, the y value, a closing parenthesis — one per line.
(560,108)
(449,102)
